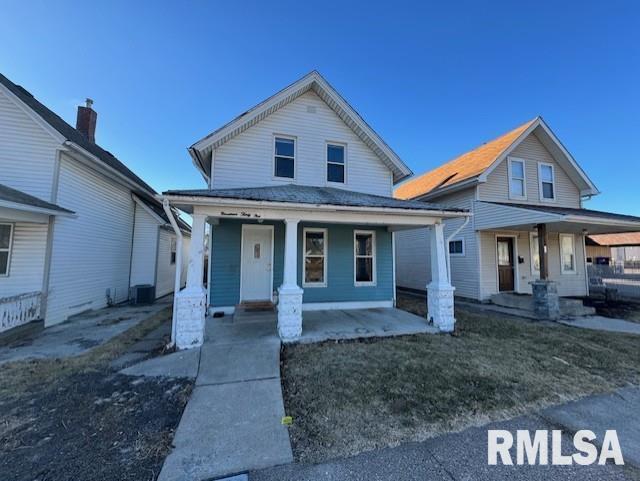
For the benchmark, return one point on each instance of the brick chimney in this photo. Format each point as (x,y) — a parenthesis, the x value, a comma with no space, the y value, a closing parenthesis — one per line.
(86,120)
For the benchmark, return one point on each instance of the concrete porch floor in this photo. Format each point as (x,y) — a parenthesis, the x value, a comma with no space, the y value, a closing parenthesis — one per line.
(318,326)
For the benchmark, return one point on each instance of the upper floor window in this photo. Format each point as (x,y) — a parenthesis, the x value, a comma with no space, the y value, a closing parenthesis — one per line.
(285,157)
(6,239)
(365,257)
(517,179)
(546,176)
(335,163)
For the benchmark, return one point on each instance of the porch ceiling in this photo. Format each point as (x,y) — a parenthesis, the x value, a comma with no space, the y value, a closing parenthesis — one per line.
(506,216)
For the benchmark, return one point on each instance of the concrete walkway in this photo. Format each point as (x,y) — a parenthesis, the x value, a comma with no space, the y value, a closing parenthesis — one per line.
(463,456)
(81,333)
(600,323)
(233,421)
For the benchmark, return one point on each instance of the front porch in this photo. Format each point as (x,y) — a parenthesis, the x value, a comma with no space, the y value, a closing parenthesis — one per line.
(305,249)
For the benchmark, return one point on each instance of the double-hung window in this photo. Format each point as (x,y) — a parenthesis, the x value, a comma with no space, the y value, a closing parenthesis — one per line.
(285,157)
(567,254)
(172,255)
(315,258)
(365,257)
(6,239)
(336,163)
(517,179)
(547,186)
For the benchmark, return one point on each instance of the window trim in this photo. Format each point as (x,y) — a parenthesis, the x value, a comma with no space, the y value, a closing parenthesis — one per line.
(457,254)
(9,249)
(304,256)
(374,280)
(510,160)
(553,181)
(575,260)
(295,156)
(326,158)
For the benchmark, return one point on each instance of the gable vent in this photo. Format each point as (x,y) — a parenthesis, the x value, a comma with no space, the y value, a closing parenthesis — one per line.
(311,109)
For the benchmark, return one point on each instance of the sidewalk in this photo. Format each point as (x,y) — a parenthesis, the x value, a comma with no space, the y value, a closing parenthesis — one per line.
(232,422)
(463,456)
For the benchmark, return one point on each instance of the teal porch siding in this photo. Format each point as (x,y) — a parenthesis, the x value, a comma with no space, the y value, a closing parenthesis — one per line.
(225,268)
(226,239)
(340,276)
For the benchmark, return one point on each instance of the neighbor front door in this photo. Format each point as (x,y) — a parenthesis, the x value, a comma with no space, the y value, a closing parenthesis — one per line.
(506,275)
(256,269)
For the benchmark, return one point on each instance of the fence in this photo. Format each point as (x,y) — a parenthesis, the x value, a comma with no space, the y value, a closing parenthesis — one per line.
(619,280)
(20,309)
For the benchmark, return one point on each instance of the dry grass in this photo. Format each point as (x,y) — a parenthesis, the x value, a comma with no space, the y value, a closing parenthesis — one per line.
(350,397)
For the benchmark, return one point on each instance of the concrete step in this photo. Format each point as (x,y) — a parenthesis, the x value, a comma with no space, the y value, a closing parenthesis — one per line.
(524,302)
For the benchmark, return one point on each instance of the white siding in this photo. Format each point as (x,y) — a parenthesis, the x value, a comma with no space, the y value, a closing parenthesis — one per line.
(27,260)
(27,151)
(496,188)
(247,160)
(568,284)
(166,270)
(92,252)
(412,252)
(145,248)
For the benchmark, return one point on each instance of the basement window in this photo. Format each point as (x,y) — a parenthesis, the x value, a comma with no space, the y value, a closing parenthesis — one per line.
(6,241)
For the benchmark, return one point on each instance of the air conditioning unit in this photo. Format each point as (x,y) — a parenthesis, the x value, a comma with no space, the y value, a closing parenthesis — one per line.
(143,294)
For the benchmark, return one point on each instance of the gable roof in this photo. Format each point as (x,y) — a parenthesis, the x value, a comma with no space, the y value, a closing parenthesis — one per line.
(475,165)
(71,134)
(313,81)
(12,196)
(625,239)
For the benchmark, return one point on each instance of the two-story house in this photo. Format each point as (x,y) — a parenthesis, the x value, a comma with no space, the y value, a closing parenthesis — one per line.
(528,227)
(77,227)
(302,215)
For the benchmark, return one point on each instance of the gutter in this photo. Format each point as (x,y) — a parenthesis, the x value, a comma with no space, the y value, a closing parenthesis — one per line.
(178,277)
(453,234)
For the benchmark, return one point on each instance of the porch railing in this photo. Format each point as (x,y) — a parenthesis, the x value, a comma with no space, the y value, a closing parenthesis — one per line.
(619,281)
(20,309)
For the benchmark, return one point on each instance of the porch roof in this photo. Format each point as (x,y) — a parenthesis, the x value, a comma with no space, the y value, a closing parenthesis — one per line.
(503,215)
(14,202)
(317,196)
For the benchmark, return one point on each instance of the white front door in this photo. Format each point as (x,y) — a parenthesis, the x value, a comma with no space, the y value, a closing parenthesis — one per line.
(256,266)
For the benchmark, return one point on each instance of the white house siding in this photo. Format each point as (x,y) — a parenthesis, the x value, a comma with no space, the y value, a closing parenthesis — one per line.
(247,160)
(92,252)
(145,248)
(496,189)
(412,251)
(27,151)
(166,270)
(568,284)
(27,260)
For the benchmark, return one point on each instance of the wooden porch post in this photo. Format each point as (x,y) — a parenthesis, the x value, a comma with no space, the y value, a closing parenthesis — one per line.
(542,251)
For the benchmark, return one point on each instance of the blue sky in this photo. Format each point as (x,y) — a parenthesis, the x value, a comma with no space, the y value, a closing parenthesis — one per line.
(433,78)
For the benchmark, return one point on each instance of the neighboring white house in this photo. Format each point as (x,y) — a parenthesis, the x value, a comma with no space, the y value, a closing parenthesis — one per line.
(77,227)
(520,187)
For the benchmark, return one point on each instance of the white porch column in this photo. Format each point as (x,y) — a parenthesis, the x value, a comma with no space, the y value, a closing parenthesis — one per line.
(289,293)
(191,302)
(439,290)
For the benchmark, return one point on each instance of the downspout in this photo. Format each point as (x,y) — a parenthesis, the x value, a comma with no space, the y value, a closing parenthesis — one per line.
(178,277)
(454,233)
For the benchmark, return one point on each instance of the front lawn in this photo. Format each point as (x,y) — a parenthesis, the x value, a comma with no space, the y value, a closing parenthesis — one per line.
(349,397)
(77,419)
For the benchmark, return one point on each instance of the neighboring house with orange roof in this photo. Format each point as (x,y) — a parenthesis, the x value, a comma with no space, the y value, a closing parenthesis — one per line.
(520,186)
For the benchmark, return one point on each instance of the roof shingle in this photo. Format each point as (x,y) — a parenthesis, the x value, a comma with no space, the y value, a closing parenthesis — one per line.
(18,197)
